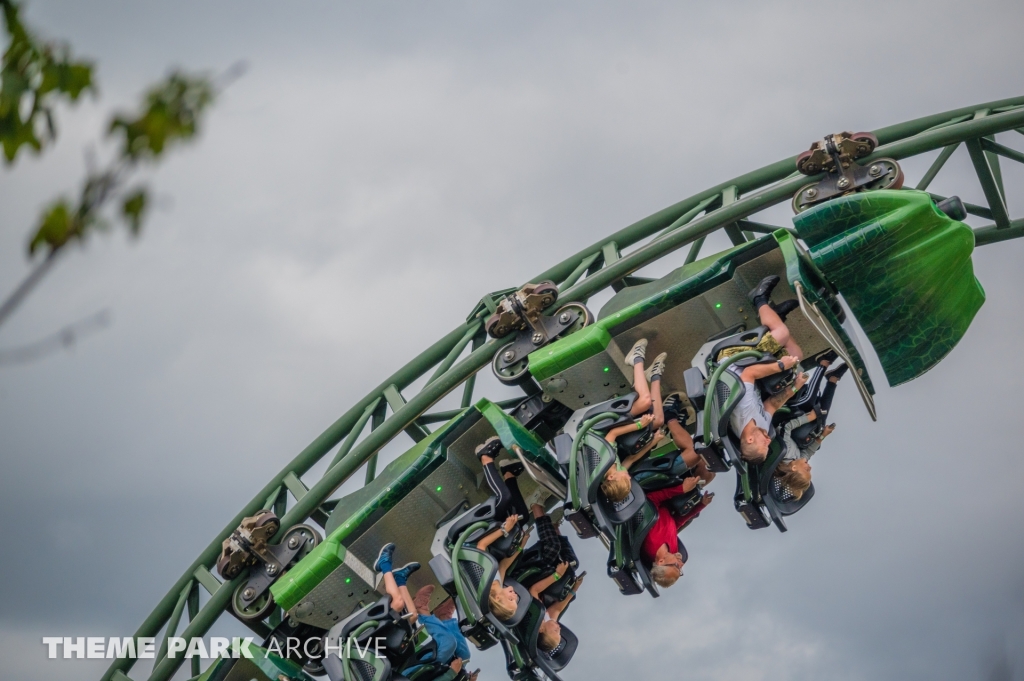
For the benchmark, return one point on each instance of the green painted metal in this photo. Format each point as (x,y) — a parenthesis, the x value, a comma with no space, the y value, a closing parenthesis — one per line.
(937,166)
(356,511)
(989,183)
(759,189)
(905,270)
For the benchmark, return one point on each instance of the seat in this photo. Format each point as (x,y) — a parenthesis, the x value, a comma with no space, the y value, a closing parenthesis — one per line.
(778,498)
(659,472)
(624,561)
(612,513)
(473,572)
(621,406)
(527,654)
(366,629)
(485,512)
(745,339)
(594,458)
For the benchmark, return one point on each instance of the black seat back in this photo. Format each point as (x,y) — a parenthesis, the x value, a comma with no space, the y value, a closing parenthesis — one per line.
(660,472)
(485,512)
(777,497)
(744,339)
(632,442)
(595,457)
(617,405)
(619,512)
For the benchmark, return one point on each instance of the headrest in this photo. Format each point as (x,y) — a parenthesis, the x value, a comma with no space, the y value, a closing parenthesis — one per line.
(562,654)
(618,405)
(524,602)
(378,611)
(485,511)
(748,339)
(618,512)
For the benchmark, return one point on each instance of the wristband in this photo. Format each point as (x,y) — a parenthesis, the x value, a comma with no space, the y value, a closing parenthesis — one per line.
(795,390)
(638,426)
(556,575)
(504,532)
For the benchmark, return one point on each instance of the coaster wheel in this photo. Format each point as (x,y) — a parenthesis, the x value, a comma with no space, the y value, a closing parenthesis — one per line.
(302,536)
(255,611)
(585,318)
(510,374)
(866,143)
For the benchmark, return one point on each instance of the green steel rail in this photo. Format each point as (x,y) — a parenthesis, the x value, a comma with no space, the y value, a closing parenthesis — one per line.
(726,206)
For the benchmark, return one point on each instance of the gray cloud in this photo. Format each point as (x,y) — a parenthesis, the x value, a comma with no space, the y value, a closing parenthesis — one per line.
(381,167)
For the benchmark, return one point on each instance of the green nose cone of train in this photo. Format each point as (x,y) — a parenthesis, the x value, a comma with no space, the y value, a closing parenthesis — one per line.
(903,267)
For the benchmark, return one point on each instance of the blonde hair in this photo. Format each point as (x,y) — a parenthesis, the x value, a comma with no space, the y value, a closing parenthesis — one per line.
(665,575)
(500,606)
(617,488)
(550,635)
(798,481)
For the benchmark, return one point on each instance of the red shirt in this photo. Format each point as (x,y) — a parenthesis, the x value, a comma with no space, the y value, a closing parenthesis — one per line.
(666,528)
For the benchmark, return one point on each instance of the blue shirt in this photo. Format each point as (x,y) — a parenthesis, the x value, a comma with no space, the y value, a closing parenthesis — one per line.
(448,638)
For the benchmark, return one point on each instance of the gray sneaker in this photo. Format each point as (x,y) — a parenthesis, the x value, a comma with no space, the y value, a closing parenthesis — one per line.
(657,366)
(638,351)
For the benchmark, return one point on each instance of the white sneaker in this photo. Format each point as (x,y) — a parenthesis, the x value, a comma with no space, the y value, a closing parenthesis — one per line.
(638,351)
(657,367)
(538,496)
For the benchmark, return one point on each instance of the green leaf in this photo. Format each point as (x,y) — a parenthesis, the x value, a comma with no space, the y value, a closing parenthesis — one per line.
(171,114)
(56,227)
(133,209)
(34,76)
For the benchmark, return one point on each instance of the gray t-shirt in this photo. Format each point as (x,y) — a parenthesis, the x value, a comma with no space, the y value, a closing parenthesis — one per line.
(750,408)
(792,450)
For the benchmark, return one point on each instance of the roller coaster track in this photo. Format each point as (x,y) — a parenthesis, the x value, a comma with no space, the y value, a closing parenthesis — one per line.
(727,206)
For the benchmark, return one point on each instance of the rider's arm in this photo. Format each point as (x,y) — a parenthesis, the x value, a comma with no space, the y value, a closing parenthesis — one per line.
(758,371)
(542,584)
(633,458)
(618,431)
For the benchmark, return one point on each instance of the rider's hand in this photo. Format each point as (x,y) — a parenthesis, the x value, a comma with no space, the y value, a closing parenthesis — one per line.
(510,522)
(645,420)
(689,484)
(801,379)
(561,569)
(707,498)
(828,430)
(789,361)
(456,665)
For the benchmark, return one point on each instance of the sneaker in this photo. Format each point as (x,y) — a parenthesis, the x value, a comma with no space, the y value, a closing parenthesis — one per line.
(672,408)
(638,351)
(785,307)
(836,371)
(490,447)
(538,496)
(402,573)
(513,466)
(421,600)
(387,552)
(657,367)
(763,292)
(446,610)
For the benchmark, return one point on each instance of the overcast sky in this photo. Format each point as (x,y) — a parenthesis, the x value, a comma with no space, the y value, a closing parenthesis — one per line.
(382,166)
